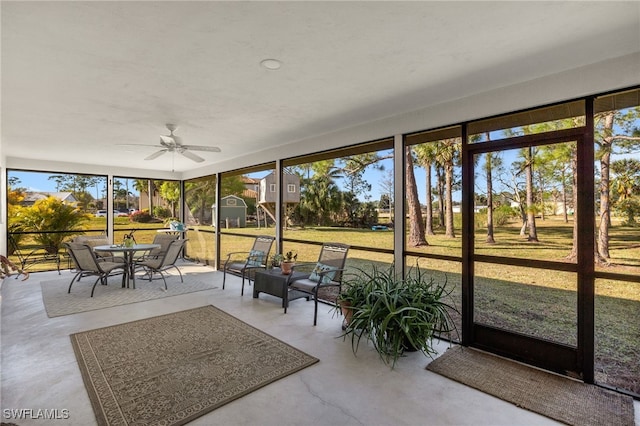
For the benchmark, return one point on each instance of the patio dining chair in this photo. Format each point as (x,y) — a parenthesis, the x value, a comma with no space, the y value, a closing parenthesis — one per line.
(98,240)
(244,263)
(87,264)
(164,240)
(163,263)
(327,272)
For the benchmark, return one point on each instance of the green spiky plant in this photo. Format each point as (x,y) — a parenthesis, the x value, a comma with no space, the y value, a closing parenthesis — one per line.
(397,314)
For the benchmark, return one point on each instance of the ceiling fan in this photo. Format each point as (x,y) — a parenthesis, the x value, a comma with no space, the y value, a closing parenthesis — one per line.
(173,143)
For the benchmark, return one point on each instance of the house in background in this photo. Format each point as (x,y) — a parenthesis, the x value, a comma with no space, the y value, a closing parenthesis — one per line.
(269,196)
(31,197)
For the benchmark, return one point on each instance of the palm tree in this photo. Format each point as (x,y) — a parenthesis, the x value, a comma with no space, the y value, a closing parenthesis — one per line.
(321,195)
(448,154)
(426,156)
(416,226)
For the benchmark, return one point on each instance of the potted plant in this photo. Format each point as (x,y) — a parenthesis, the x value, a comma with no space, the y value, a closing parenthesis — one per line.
(276,260)
(397,314)
(352,293)
(288,260)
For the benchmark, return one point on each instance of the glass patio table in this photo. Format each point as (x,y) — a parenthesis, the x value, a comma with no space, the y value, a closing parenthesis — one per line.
(128,257)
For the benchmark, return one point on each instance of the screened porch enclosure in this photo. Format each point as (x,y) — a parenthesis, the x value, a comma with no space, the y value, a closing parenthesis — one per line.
(532,218)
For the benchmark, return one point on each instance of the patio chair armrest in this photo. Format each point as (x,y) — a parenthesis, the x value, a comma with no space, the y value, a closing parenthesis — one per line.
(236,252)
(303,265)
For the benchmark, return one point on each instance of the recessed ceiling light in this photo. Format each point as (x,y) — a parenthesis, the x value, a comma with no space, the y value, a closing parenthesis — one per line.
(271,64)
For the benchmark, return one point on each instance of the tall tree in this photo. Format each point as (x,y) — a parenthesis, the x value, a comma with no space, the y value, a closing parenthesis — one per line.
(426,156)
(531,211)
(416,226)
(490,159)
(613,128)
(440,192)
(170,191)
(448,154)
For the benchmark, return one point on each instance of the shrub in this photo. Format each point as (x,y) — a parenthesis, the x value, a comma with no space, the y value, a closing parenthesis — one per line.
(140,216)
(52,214)
(161,212)
(501,217)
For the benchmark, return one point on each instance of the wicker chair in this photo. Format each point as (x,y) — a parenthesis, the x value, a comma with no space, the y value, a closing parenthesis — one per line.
(327,272)
(254,259)
(87,264)
(164,262)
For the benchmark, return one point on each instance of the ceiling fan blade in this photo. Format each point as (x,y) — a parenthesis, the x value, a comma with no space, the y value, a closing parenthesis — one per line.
(191,156)
(138,145)
(202,148)
(156,154)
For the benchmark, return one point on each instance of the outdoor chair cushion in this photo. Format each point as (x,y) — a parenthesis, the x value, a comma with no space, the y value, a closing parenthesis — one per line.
(307,285)
(256,258)
(326,278)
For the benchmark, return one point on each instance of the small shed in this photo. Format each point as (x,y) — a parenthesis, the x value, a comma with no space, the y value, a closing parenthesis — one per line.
(233,212)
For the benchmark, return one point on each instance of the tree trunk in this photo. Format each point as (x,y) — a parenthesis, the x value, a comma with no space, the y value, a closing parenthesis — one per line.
(489,166)
(564,198)
(440,178)
(151,190)
(573,255)
(416,226)
(449,232)
(605,207)
(531,214)
(541,202)
(429,212)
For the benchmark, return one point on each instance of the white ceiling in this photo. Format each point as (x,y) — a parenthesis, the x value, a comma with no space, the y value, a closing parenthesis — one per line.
(79,78)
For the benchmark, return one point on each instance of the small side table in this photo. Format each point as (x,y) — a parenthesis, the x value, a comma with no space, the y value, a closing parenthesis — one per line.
(274,282)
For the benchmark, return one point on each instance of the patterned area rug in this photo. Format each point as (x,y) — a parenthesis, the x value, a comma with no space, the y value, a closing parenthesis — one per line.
(58,302)
(174,368)
(554,396)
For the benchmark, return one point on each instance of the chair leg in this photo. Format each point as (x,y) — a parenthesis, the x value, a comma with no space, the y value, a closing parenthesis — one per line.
(315,310)
(165,281)
(224,276)
(179,272)
(72,281)
(94,285)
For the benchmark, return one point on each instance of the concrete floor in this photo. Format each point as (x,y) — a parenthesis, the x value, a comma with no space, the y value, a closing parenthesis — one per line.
(39,369)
